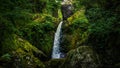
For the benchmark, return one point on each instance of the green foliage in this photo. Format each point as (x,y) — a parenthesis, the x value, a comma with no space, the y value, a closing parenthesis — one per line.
(81,24)
(39,5)
(52,5)
(104,33)
(75,31)
(77,5)
(102,23)
(23,55)
(105,4)
(75,34)
(40,35)
(21,58)
(12,16)
(96,24)
(6,57)
(16,18)
(8,44)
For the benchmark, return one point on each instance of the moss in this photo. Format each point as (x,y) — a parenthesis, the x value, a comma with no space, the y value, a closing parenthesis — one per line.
(59,14)
(25,59)
(40,32)
(8,44)
(25,52)
(80,14)
(83,57)
(54,63)
(23,55)
(26,46)
(75,34)
(75,31)
(42,17)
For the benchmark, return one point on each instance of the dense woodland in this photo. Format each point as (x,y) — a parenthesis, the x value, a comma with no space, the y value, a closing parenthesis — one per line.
(90,37)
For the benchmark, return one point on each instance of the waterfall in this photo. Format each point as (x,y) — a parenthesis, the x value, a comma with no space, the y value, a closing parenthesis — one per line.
(56,47)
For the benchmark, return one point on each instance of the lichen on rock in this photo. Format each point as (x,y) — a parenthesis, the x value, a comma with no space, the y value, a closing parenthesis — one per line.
(81,57)
(22,56)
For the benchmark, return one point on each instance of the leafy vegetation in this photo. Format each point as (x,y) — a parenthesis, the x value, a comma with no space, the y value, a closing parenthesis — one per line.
(27,30)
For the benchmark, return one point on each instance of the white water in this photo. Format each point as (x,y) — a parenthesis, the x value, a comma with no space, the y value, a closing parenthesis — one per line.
(56,47)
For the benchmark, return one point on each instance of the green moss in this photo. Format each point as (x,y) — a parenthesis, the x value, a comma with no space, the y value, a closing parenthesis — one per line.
(40,35)
(75,31)
(40,32)
(83,57)
(26,59)
(80,14)
(23,55)
(60,14)
(55,63)
(43,17)
(8,44)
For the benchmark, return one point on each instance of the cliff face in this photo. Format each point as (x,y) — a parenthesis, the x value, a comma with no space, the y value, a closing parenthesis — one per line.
(66,11)
(81,57)
(23,55)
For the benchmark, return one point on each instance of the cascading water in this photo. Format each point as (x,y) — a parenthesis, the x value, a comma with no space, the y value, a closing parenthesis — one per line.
(56,47)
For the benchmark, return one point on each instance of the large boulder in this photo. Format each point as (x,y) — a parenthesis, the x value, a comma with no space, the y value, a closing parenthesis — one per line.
(82,57)
(67,11)
(24,55)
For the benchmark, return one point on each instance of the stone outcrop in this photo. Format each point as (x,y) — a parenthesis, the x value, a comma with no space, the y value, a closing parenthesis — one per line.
(67,9)
(82,57)
(25,55)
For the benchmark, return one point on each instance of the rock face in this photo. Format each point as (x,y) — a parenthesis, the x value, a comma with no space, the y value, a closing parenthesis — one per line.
(82,57)
(54,63)
(25,55)
(66,11)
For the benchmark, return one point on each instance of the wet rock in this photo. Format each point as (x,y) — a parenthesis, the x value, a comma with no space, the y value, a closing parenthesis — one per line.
(82,57)
(54,63)
(67,10)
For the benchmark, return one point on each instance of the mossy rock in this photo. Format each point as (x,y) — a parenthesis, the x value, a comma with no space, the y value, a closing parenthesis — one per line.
(54,63)
(75,31)
(81,57)
(23,55)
